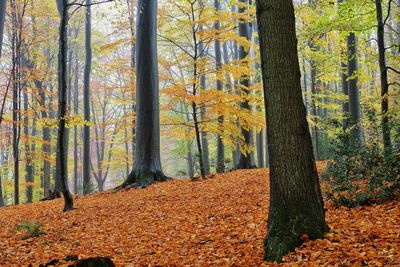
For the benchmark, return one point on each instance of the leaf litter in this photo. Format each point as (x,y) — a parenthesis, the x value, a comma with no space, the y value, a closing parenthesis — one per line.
(220,221)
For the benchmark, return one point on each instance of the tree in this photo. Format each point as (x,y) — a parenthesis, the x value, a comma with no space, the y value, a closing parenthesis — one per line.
(62,153)
(147,168)
(387,142)
(246,160)
(3,7)
(218,59)
(86,100)
(296,206)
(354,94)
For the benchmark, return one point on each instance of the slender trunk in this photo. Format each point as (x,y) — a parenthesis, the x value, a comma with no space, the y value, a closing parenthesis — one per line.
(218,61)
(16,100)
(86,100)
(28,153)
(190,159)
(296,206)
(260,149)
(3,7)
(387,142)
(203,134)
(246,160)
(62,108)
(76,109)
(1,173)
(345,86)
(46,145)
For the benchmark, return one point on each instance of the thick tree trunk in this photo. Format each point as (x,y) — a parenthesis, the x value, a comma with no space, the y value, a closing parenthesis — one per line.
(218,61)
(296,206)
(387,142)
(147,169)
(246,160)
(86,100)
(62,108)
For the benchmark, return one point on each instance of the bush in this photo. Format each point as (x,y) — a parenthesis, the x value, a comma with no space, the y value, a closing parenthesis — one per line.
(360,175)
(32,228)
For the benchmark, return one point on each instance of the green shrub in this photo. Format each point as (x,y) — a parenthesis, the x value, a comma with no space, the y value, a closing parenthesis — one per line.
(361,175)
(32,228)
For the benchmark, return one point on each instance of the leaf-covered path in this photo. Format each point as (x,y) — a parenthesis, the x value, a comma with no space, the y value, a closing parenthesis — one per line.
(220,221)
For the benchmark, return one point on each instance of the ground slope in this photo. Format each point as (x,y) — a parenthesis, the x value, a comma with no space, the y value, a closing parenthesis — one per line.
(220,221)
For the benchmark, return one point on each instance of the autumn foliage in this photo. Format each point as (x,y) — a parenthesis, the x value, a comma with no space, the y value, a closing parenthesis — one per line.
(219,221)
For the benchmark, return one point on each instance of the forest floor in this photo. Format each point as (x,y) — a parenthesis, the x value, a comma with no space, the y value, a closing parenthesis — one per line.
(220,221)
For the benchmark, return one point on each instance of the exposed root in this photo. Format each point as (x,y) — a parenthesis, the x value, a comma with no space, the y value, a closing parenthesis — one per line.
(141,179)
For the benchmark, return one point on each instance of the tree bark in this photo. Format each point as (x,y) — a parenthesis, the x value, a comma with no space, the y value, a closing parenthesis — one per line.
(204,135)
(387,141)
(260,149)
(3,8)
(218,61)
(62,108)
(354,94)
(190,165)
(296,206)
(246,160)
(76,110)
(16,98)
(86,100)
(147,169)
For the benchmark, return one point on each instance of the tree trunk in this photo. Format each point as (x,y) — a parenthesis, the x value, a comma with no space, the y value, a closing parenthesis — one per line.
(86,100)
(29,179)
(190,159)
(1,174)
(133,66)
(204,135)
(296,206)
(246,160)
(16,99)
(3,7)
(218,61)
(260,149)
(147,169)
(76,110)
(62,108)
(387,142)
(354,94)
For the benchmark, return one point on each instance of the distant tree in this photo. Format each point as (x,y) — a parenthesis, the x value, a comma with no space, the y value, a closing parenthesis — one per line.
(147,168)
(246,159)
(86,99)
(296,205)
(218,59)
(3,7)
